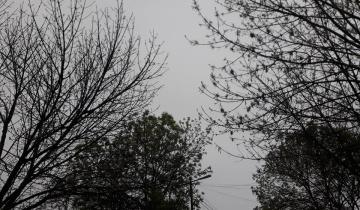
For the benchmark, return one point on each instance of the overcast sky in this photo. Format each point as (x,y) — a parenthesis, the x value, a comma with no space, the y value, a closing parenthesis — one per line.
(172,20)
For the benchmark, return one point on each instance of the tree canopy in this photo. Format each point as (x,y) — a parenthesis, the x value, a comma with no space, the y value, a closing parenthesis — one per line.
(301,174)
(147,165)
(293,62)
(67,76)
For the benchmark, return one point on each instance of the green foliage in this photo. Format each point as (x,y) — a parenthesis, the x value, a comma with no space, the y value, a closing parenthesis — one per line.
(311,169)
(145,166)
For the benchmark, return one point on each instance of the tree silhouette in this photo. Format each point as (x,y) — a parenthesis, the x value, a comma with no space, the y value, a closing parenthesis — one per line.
(301,174)
(293,62)
(68,76)
(147,165)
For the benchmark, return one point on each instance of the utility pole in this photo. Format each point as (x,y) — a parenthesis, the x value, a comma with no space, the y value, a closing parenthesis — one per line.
(191,189)
(191,196)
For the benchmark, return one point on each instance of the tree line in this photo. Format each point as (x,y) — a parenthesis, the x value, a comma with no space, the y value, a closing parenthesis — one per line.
(75,85)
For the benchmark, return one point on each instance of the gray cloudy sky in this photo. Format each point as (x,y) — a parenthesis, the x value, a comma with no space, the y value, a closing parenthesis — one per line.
(229,188)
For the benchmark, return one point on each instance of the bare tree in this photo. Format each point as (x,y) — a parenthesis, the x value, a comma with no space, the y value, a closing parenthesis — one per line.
(68,76)
(294,62)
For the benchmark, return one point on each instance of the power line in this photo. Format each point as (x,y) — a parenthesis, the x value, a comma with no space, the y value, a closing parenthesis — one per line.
(205,205)
(209,204)
(226,185)
(230,195)
(245,186)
